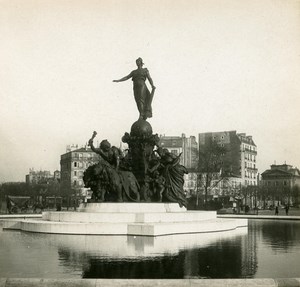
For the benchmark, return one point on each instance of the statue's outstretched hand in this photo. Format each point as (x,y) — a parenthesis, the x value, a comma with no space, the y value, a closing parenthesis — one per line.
(91,139)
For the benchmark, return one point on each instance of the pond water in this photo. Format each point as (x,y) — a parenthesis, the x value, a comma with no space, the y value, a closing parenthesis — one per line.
(266,249)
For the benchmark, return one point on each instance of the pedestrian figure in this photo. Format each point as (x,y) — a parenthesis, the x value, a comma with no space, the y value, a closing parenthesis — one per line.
(276,210)
(247,208)
(287,210)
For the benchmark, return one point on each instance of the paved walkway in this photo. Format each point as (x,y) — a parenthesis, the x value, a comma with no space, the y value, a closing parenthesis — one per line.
(252,216)
(38,282)
(22,216)
(249,216)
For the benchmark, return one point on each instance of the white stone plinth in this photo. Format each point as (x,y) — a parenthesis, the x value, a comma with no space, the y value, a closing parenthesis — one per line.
(142,219)
(137,217)
(130,207)
(158,229)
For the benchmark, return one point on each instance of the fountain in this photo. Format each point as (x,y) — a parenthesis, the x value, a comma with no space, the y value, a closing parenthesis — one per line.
(140,193)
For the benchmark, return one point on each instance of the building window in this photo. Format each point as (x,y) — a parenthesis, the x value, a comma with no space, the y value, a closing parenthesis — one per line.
(75,164)
(174,151)
(75,173)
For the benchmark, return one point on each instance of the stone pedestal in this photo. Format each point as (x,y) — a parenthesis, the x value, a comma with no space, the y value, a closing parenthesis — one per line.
(130,207)
(140,219)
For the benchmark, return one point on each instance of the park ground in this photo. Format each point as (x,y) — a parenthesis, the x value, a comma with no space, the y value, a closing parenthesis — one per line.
(293,211)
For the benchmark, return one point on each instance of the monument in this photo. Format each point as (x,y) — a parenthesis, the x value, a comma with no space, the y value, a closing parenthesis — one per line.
(139,193)
(147,173)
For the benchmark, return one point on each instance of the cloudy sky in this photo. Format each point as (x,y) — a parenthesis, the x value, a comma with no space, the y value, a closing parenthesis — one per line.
(217,65)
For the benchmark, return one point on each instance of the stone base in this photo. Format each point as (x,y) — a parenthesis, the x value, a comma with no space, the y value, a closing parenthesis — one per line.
(143,219)
(130,207)
(42,282)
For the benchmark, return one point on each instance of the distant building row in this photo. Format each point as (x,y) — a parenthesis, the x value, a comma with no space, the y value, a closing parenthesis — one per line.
(238,165)
(281,176)
(240,160)
(41,176)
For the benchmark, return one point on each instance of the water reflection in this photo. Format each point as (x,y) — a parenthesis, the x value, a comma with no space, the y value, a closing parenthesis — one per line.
(259,251)
(282,235)
(277,247)
(212,255)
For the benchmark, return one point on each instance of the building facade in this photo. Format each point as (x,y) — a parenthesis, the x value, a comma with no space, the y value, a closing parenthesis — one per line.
(41,176)
(188,147)
(283,174)
(72,166)
(239,160)
(280,181)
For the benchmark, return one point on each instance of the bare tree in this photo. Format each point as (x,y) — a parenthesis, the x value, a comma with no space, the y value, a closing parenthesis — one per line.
(210,167)
(296,195)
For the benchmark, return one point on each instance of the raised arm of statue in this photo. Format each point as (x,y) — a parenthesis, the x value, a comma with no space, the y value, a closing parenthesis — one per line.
(94,149)
(91,144)
(124,78)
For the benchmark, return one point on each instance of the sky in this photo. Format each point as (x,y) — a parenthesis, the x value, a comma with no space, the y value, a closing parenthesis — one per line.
(218,65)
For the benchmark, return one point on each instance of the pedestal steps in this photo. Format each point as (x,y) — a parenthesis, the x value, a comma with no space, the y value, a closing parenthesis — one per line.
(130,217)
(142,229)
(142,219)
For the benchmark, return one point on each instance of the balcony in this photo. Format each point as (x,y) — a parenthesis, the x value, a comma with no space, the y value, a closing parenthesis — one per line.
(250,150)
(252,168)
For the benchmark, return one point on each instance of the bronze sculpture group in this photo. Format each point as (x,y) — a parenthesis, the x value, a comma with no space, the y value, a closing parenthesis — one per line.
(146,172)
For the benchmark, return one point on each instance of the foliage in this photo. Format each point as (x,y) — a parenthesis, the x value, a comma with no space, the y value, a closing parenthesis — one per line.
(211,204)
(295,195)
(15,189)
(32,190)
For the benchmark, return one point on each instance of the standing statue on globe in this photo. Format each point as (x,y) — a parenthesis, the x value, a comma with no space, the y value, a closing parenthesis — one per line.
(147,172)
(142,95)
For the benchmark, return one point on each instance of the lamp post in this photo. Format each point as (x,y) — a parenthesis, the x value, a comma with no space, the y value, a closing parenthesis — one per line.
(75,195)
(256,189)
